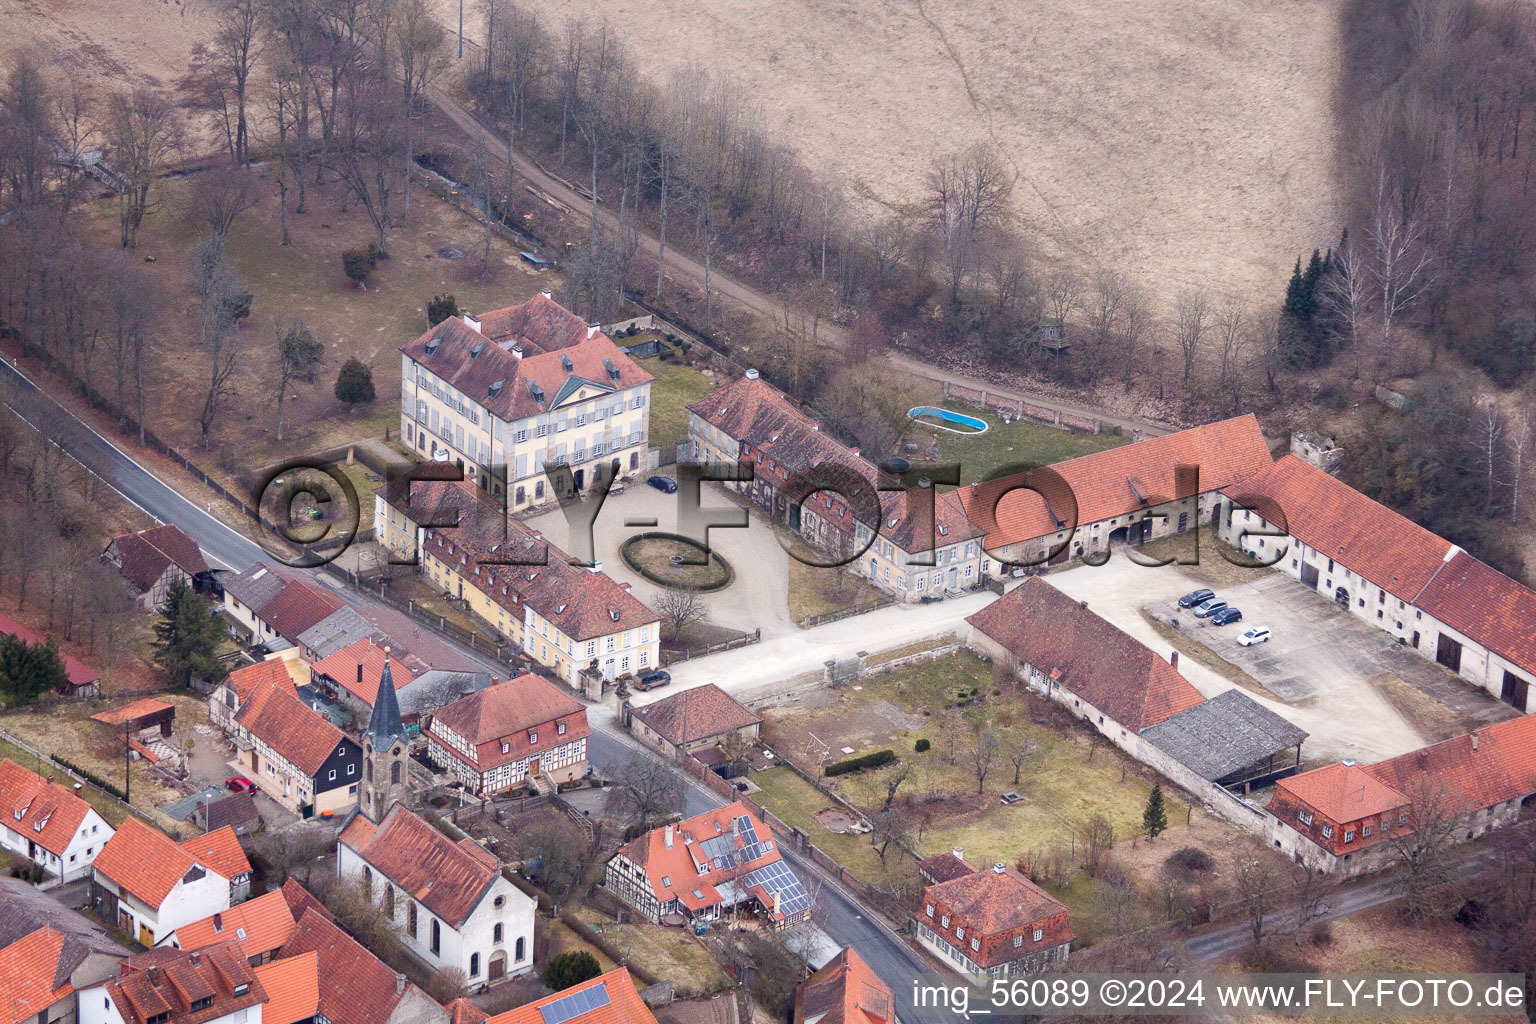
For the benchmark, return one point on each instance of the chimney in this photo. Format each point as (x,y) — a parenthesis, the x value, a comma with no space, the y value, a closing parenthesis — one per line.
(472,322)
(958,853)
(1474,741)
(1349,762)
(914,500)
(751,374)
(195,957)
(593,329)
(595,568)
(999,868)
(78,787)
(1084,605)
(399,983)
(669,837)
(154,976)
(547,293)
(218,922)
(1173,659)
(359,671)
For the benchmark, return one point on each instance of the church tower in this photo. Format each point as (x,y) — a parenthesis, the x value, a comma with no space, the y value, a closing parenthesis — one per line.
(386,745)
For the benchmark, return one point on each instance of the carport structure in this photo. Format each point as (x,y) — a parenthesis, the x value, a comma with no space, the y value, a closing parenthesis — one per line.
(1230,740)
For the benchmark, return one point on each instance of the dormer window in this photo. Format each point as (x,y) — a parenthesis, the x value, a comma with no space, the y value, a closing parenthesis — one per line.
(533,735)
(613,613)
(560,728)
(506,748)
(1305,817)
(1039,934)
(242,988)
(201,1004)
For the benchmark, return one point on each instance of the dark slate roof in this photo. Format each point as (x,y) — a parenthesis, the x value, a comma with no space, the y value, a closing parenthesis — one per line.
(257,585)
(384,725)
(24,909)
(432,690)
(341,628)
(1223,735)
(235,809)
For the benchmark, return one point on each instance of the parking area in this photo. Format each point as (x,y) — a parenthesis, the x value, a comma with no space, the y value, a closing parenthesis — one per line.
(757,598)
(1352,687)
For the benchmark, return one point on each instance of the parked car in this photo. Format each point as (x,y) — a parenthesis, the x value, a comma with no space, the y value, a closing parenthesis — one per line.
(651,680)
(240,784)
(1195,597)
(1209,607)
(1256,635)
(1226,617)
(664,484)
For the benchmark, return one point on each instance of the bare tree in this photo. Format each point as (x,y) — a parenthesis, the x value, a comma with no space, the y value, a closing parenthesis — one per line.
(447,984)
(982,755)
(77,126)
(219,292)
(1063,292)
(1346,295)
(1420,846)
(1253,887)
(1135,322)
(892,779)
(1401,265)
(679,609)
(28,131)
(1520,438)
(220,195)
(643,790)
(1097,836)
(1189,327)
(237,43)
(891,825)
(1102,311)
(1019,749)
(1487,442)
(298,357)
(1231,333)
(967,192)
(142,131)
(372,148)
(562,852)
(1313,891)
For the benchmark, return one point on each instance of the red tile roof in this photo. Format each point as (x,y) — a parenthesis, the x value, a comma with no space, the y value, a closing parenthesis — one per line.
(475,362)
(29,969)
(134,711)
(50,805)
(844,991)
(300,900)
(355,986)
(342,669)
(462,1011)
(293,988)
(1482,603)
(288,725)
(423,863)
(168,981)
(697,713)
(298,606)
(79,673)
(1342,793)
(994,906)
(221,851)
(1086,654)
(622,1006)
(1115,482)
(1339,522)
(144,861)
(144,556)
(1469,772)
(675,873)
(259,926)
(506,713)
(273,670)
(945,867)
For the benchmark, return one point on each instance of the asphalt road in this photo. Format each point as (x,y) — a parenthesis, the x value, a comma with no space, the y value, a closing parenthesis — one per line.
(837,913)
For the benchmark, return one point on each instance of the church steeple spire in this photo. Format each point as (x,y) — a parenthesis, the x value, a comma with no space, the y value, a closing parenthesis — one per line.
(384,725)
(386,745)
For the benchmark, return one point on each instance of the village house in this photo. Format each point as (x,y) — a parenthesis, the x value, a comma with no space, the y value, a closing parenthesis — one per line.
(48,953)
(154,561)
(844,991)
(226,699)
(449,899)
(1420,588)
(80,679)
(259,927)
(297,757)
(49,824)
(504,394)
(293,989)
(172,986)
(270,608)
(707,867)
(150,886)
(1341,818)
(522,730)
(355,986)
(610,998)
(234,811)
(351,677)
(1102,674)
(563,616)
(695,719)
(221,851)
(994,925)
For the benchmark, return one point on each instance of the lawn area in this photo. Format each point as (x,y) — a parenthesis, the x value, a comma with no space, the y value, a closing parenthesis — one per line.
(114,811)
(677,386)
(670,953)
(1007,444)
(816,591)
(797,802)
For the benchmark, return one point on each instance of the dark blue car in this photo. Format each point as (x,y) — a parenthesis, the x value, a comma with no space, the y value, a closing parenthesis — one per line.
(664,484)
(1226,616)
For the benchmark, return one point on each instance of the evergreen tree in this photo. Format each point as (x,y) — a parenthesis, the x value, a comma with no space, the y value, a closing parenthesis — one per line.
(1154,819)
(441,308)
(187,638)
(27,671)
(354,383)
(571,968)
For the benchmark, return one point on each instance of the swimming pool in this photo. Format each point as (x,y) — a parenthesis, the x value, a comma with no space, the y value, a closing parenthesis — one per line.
(973,424)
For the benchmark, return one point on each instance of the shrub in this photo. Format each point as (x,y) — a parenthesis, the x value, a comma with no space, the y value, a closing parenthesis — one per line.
(359,263)
(100,782)
(571,968)
(921,746)
(875,759)
(354,383)
(1191,860)
(630,331)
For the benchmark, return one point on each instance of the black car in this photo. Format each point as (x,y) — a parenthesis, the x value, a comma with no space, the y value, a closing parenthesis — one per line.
(665,484)
(1226,617)
(1195,597)
(651,680)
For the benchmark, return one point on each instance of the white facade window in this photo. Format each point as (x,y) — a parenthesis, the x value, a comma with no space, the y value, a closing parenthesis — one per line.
(1039,934)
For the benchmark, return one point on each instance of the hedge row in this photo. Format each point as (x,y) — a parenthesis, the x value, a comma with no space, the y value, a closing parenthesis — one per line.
(612,952)
(853,764)
(92,777)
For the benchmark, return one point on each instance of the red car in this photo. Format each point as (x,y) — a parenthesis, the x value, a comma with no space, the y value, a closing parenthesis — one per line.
(240,784)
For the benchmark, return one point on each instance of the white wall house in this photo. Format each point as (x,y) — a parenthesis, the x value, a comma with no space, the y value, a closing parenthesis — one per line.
(449,900)
(149,886)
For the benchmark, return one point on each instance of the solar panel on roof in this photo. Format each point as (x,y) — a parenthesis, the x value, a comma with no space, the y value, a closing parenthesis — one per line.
(745,830)
(776,878)
(719,848)
(574,1005)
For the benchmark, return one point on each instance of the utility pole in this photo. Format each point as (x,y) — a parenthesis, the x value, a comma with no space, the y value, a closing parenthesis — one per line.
(461,29)
(127,774)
